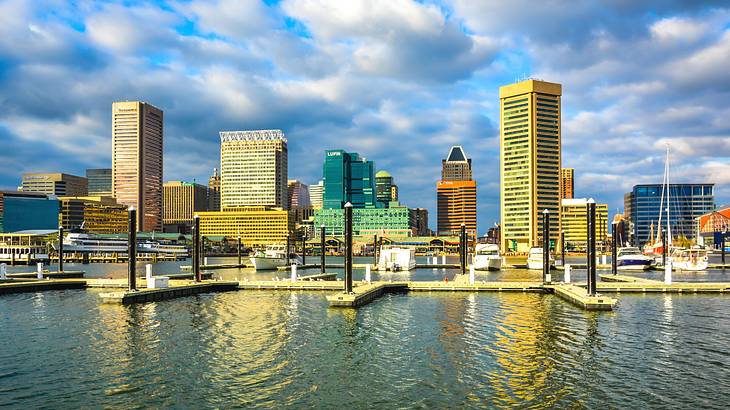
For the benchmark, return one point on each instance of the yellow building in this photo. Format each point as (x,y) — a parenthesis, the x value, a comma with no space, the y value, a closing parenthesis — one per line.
(257,225)
(575,222)
(97,214)
(180,202)
(567,185)
(529,162)
(137,160)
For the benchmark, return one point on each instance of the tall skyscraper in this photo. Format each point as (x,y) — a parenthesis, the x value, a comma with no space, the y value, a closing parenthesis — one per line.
(298,195)
(418,221)
(383,188)
(456,195)
(137,132)
(100,181)
(214,191)
(315,194)
(348,178)
(567,186)
(54,183)
(530,162)
(181,201)
(253,169)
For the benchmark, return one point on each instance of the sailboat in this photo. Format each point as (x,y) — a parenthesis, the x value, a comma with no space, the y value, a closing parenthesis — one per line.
(655,246)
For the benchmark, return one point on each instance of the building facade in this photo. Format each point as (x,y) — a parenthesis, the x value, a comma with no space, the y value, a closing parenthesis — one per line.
(100,181)
(348,177)
(383,188)
(298,195)
(530,162)
(181,200)
(137,133)
(394,193)
(20,211)
(575,223)
(257,225)
(686,202)
(214,191)
(567,184)
(54,183)
(456,195)
(418,221)
(456,166)
(96,214)
(315,194)
(393,221)
(253,169)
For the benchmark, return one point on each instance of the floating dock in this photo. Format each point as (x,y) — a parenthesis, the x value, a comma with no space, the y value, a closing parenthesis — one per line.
(152,295)
(67,274)
(26,286)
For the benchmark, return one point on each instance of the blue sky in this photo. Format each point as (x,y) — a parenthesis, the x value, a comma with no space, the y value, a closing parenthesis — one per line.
(395,80)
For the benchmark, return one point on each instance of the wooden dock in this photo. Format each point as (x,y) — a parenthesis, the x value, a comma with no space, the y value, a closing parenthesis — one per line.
(153,295)
(578,296)
(365,293)
(67,274)
(626,284)
(26,286)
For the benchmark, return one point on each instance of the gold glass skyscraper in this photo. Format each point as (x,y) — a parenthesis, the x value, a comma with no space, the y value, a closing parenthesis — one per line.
(456,195)
(567,184)
(530,162)
(137,160)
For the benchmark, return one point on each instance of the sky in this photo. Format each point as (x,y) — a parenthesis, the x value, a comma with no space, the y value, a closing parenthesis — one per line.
(397,81)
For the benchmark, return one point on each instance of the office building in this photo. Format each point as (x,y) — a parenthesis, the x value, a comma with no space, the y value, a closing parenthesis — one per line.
(383,188)
(257,225)
(54,183)
(529,162)
(348,178)
(575,223)
(99,181)
(20,211)
(394,193)
(686,202)
(253,169)
(456,195)
(567,185)
(629,224)
(214,191)
(418,221)
(315,194)
(392,221)
(298,195)
(95,214)
(137,133)
(712,227)
(181,200)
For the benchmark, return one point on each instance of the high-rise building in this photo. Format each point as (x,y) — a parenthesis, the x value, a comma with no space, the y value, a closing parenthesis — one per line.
(383,188)
(257,225)
(54,183)
(456,195)
(418,221)
(392,221)
(567,186)
(298,195)
(137,132)
(100,181)
(96,214)
(253,169)
(530,162)
(575,223)
(394,193)
(456,166)
(348,178)
(628,222)
(315,194)
(686,202)
(181,200)
(214,191)
(21,211)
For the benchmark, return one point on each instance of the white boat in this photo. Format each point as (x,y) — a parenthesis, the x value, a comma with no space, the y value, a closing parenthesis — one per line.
(90,243)
(273,257)
(486,257)
(535,259)
(631,258)
(694,259)
(397,259)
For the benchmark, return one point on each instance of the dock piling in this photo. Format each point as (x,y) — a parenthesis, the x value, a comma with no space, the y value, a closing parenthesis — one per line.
(196,248)
(546,246)
(722,247)
(60,248)
(3,271)
(304,247)
(39,270)
(566,274)
(591,247)
(348,248)
(321,246)
(462,249)
(664,247)
(668,273)
(132,250)
(288,246)
(562,248)
(614,247)
(293,272)
(148,272)
(239,248)
(368,279)
(375,249)
(471,274)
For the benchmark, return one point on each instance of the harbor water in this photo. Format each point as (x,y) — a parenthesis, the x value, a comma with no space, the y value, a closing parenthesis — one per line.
(63,349)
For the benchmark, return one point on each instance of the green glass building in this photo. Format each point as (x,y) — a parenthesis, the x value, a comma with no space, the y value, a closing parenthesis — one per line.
(393,221)
(383,186)
(348,177)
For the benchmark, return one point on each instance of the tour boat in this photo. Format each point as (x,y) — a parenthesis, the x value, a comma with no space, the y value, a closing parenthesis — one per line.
(273,257)
(631,258)
(76,242)
(694,259)
(397,259)
(486,257)
(535,259)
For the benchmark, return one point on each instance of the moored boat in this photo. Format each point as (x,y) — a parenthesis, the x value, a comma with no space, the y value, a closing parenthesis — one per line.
(397,259)
(535,259)
(486,257)
(694,259)
(272,257)
(631,258)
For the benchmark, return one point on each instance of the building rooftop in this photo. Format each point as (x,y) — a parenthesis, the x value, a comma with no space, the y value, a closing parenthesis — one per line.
(255,135)
(456,154)
(382,174)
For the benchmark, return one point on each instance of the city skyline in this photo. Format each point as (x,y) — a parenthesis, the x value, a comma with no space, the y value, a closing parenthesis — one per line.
(619,106)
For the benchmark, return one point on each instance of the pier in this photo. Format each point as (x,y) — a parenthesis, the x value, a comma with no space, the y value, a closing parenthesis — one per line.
(153,295)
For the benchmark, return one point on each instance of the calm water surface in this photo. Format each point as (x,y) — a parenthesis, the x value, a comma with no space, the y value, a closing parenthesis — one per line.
(63,349)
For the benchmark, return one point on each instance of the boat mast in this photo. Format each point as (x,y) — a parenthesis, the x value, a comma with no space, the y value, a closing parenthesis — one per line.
(669,230)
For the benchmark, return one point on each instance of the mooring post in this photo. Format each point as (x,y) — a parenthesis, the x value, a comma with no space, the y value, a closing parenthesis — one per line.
(196,248)
(304,247)
(60,248)
(471,274)
(239,248)
(348,248)
(293,272)
(288,246)
(664,247)
(614,249)
(722,246)
(462,249)
(39,270)
(375,249)
(3,271)
(562,248)
(321,247)
(546,246)
(132,249)
(367,273)
(592,246)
